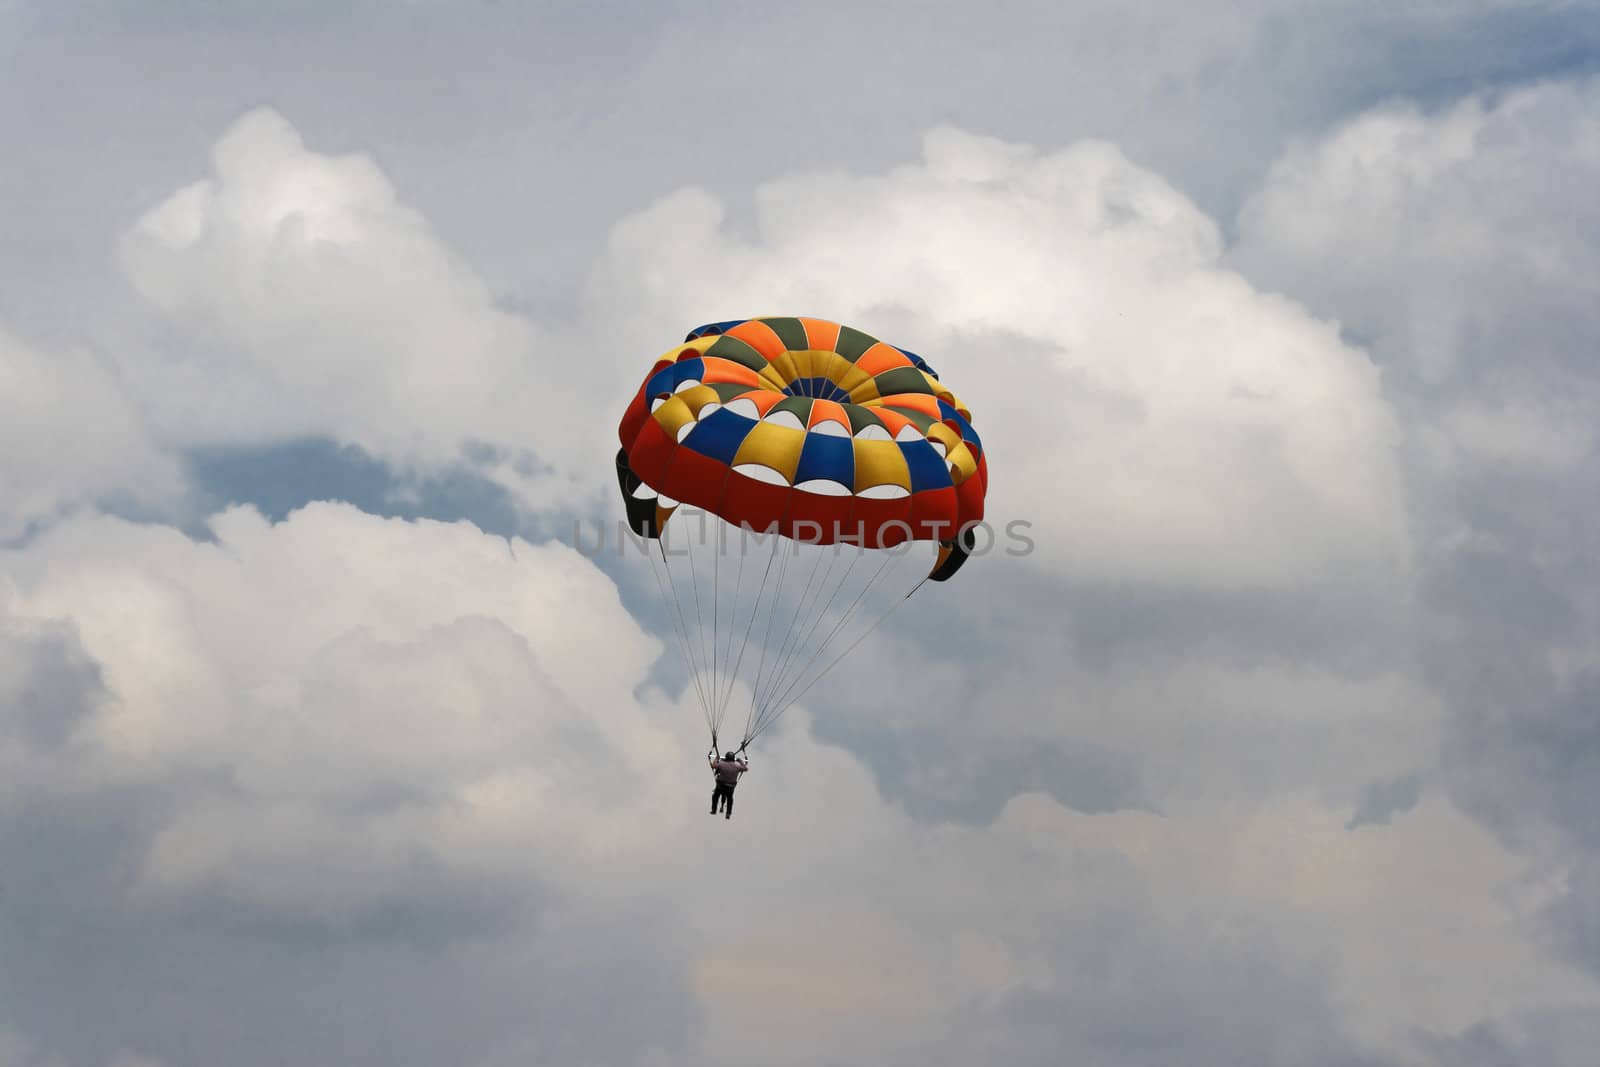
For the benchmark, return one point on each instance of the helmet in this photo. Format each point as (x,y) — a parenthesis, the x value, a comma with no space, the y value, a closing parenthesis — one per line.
(728,755)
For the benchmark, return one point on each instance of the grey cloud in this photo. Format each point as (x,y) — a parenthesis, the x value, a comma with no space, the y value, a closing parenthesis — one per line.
(1529,747)
(1201,1023)
(1574,919)
(48,684)
(1457,238)
(1382,801)
(958,772)
(1506,593)
(205,980)
(1562,1037)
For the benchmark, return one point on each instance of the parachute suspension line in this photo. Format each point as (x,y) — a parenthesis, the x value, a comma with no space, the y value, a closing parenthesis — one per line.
(772,611)
(810,619)
(811,628)
(803,621)
(792,612)
(762,712)
(716,602)
(821,607)
(761,593)
(680,624)
(699,614)
(675,619)
(733,624)
(769,717)
(695,639)
(780,664)
(800,657)
(682,629)
(811,578)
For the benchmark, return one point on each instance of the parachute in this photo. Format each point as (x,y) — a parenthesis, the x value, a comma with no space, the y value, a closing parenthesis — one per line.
(832,453)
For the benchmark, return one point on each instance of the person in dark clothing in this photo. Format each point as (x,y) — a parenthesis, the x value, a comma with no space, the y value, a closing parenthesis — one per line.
(727,771)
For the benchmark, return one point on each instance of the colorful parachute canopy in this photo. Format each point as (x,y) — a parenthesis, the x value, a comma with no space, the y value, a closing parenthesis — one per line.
(808,428)
(846,450)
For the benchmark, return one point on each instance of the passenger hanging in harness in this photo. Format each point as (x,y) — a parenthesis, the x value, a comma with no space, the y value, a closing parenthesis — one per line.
(727,771)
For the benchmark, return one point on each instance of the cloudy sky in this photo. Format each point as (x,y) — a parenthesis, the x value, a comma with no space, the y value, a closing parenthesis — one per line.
(324,741)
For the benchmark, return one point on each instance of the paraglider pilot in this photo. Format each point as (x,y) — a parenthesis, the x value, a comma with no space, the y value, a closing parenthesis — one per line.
(727,771)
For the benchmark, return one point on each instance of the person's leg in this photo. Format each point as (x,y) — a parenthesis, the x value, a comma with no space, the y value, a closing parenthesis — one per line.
(716,795)
(727,805)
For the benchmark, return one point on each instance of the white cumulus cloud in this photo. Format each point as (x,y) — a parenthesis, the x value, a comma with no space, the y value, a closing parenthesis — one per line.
(299,295)
(1152,414)
(71,438)
(1459,242)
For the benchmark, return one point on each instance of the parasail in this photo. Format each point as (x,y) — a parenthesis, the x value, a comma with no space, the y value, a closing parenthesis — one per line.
(808,453)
